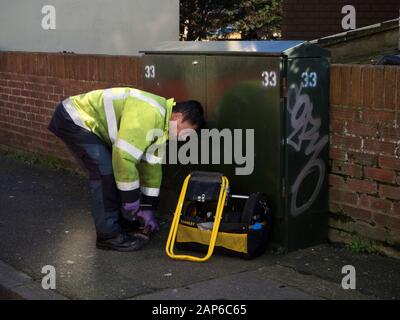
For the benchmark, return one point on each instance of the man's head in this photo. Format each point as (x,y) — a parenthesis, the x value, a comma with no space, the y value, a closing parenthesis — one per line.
(186,116)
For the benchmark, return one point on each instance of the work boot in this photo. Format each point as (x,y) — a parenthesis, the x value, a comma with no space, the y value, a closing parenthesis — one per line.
(122,242)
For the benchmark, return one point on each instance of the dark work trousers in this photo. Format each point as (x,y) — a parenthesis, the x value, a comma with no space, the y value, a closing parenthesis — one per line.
(95,157)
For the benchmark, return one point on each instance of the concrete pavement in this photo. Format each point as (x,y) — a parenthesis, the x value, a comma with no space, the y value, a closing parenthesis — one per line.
(45,220)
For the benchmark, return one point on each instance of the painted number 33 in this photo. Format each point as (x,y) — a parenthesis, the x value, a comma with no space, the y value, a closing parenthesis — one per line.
(269,79)
(310,79)
(149,72)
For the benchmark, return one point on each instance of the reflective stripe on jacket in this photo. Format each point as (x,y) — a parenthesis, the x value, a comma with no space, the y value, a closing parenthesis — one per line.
(134,124)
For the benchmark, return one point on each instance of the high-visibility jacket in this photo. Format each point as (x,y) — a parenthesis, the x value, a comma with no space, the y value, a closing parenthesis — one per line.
(134,124)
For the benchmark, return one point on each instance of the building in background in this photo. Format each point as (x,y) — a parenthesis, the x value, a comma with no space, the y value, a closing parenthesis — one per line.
(313,19)
(118,27)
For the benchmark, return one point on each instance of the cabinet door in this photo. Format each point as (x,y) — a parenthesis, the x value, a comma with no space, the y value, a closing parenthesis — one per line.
(307,151)
(175,76)
(181,77)
(244,93)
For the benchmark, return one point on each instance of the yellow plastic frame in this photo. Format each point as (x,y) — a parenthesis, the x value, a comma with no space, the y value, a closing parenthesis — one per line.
(169,248)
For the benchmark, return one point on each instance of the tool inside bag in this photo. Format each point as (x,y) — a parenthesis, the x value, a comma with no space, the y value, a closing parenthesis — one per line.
(208,218)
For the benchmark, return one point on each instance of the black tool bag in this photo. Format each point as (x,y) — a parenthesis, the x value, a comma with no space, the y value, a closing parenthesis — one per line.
(244,229)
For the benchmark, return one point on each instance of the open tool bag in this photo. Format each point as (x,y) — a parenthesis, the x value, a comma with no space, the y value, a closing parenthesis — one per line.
(210,219)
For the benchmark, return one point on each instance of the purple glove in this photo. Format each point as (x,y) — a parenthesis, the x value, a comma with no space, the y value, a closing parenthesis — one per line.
(150,222)
(130,209)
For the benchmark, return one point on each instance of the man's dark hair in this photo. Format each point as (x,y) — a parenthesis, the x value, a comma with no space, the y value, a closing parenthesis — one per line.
(192,111)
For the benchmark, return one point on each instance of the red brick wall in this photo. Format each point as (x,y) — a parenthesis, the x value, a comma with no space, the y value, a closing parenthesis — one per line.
(313,19)
(365,150)
(32,84)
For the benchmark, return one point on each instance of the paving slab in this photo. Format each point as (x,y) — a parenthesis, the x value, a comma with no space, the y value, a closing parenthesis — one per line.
(250,285)
(376,276)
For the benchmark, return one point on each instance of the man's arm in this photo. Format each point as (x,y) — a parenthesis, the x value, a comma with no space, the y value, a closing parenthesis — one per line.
(133,139)
(150,169)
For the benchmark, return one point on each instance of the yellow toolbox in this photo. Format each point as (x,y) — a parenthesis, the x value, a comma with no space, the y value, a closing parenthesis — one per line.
(208,218)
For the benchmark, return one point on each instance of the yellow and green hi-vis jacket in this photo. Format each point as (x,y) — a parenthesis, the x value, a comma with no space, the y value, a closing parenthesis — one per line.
(125,119)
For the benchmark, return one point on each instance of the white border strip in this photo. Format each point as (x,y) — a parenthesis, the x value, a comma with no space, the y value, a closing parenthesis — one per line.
(154,103)
(151,192)
(73,113)
(110,114)
(127,147)
(151,158)
(127,186)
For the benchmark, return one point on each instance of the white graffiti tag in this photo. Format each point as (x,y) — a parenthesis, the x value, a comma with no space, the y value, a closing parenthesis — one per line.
(305,128)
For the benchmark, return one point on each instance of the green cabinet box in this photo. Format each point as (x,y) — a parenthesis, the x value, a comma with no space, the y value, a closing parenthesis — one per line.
(281,90)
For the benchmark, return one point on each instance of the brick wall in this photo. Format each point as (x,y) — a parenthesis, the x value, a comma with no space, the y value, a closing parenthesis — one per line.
(365,135)
(313,19)
(365,151)
(32,84)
